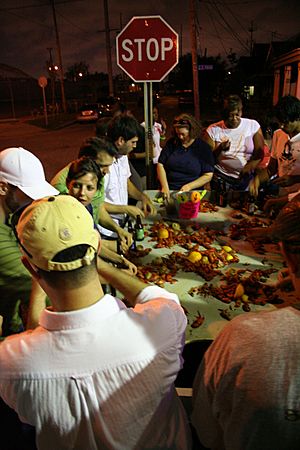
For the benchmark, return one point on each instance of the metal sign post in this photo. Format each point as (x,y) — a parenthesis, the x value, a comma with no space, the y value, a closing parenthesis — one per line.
(148,115)
(147,50)
(43,83)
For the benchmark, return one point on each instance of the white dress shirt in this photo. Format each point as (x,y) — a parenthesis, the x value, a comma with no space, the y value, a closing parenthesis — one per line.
(100,377)
(116,189)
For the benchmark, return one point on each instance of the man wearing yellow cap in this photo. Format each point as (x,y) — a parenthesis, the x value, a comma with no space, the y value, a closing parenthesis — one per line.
(95,374)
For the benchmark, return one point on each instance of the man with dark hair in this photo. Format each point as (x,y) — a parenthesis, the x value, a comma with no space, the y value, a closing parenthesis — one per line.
(95,374)
(247,390)
(237,143)
(123,132)
(104,153)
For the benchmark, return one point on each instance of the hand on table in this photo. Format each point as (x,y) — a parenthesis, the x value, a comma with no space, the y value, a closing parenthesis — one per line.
(165,193)
(131,268)
(185,188)
(125,239)
(134,211)
(147,205)
(274,205)
(285,180)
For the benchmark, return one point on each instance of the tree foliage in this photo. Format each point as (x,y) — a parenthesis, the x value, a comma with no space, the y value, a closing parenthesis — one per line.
(72,72)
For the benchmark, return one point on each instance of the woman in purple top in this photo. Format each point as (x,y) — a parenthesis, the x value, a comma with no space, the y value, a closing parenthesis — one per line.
(186,162)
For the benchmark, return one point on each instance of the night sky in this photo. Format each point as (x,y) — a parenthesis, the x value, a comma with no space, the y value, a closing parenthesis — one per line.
(27,27)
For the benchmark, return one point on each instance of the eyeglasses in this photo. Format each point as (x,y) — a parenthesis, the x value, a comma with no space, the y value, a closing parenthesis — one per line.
(181,122)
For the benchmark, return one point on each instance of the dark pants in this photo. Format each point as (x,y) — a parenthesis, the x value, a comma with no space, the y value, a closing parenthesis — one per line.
(235,184)
(14,435)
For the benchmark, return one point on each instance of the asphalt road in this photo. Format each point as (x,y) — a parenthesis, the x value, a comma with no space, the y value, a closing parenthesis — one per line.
(57,148)
(54,148)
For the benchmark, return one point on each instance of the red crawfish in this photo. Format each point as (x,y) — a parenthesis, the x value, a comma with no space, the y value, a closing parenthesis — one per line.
(198,321)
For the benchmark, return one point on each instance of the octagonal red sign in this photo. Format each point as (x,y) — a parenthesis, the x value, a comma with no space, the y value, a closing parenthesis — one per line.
(147,48)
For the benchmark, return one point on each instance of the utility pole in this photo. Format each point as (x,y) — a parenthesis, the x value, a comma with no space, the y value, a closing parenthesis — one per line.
(61,72)
(51,70)
(194,58)
(108,49)
(180,41)
(251,30)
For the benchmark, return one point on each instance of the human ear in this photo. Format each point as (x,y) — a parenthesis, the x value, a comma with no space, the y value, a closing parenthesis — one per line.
(120,141)
(3,188)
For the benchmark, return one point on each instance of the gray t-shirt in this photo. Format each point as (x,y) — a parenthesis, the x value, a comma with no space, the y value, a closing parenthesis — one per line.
(247,390)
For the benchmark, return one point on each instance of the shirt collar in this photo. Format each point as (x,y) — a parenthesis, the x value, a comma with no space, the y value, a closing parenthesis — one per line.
(104,308)
(295,138)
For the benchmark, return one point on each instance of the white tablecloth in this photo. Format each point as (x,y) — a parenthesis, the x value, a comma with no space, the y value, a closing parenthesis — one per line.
(210,307)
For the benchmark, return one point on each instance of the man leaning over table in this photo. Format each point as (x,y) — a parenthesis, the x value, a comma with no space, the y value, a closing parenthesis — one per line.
(123,132)
(247,390)
(95,374)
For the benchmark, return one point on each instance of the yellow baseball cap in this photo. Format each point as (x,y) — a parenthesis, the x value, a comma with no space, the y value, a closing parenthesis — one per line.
(52,224)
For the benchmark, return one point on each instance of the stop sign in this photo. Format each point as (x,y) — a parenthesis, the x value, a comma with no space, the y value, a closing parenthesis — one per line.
(147,48)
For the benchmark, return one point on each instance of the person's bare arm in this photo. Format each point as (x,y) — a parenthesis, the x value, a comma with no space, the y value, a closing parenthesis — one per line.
(37,304)
(217,147)
(262,175)
(258,152)
(128,285)
(107,253)
(162,178)
(287,180)
(199,182)
(137,155)
(132,211)
(147,205)
(106,221)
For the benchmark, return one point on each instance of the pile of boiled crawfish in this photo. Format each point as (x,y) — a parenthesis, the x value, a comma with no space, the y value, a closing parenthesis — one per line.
(194,239)
(192,234)
(241,287)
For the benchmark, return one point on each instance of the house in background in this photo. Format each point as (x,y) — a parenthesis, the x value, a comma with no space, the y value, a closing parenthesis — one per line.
(287,75)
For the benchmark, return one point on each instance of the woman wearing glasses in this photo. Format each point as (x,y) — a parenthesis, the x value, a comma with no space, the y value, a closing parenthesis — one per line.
(186,162)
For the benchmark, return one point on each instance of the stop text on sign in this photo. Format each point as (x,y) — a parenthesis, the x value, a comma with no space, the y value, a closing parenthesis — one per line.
(154,49)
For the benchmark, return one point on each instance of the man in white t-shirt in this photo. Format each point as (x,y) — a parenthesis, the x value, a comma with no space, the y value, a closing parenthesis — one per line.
(247,390)
(237,144)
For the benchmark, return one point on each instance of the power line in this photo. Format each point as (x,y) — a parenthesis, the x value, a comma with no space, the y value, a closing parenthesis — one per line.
(73,24)
(39,5)
(229,27)
(43,25)
(215,27)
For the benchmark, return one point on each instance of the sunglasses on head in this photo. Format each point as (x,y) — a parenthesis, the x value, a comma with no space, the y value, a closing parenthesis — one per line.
(181,122)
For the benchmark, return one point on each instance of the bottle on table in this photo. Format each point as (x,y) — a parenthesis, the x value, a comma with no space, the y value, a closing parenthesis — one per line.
(251,205)
(223,195)
(131,230)
(139,229)
(217,190)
